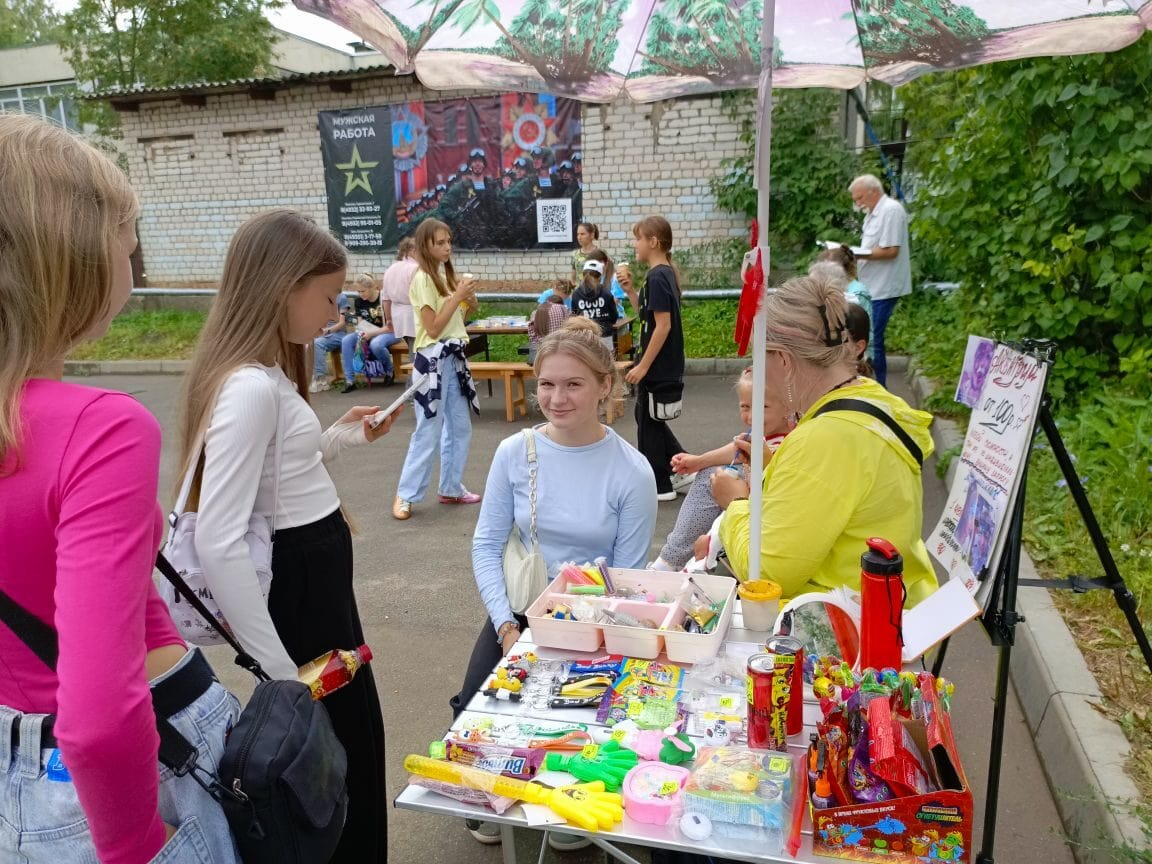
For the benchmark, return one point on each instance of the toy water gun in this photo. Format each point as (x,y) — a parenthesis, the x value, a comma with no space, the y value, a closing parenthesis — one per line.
(586,805)
(607,766)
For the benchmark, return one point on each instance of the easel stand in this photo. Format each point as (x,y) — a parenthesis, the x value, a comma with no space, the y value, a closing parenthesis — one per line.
(1001,618)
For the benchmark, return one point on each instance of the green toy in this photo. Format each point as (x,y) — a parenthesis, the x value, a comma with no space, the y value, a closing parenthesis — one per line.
(606,765)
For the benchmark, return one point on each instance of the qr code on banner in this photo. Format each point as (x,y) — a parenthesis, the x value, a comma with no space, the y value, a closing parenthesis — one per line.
(554,220)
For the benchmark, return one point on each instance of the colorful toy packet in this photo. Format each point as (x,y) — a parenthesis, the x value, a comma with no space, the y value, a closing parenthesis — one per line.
(646,692)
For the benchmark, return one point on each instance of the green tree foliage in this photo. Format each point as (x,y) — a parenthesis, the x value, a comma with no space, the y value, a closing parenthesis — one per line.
(1036,194)
(714,39)
(27,22)
(932,31)
(811,169)
(159,43)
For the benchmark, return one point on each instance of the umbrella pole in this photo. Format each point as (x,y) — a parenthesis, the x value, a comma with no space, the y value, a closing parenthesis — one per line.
(763,174)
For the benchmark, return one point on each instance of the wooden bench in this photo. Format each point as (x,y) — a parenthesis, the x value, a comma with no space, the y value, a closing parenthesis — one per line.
(512,374)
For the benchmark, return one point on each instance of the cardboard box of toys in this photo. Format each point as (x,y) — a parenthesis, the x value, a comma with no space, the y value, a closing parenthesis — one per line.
(933,825)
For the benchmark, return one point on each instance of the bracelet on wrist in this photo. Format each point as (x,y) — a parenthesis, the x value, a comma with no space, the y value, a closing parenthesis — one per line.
(506,628)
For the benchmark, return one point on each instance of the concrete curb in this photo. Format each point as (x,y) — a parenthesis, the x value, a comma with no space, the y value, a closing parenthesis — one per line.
(1082,752)
(125,367)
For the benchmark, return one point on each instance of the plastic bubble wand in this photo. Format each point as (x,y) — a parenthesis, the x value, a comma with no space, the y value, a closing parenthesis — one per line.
(585,805)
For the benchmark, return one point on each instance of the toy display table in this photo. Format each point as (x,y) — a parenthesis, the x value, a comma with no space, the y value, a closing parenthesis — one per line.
(628,831)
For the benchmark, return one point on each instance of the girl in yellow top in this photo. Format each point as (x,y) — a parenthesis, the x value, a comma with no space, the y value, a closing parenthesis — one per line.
(439,304)
(841,476)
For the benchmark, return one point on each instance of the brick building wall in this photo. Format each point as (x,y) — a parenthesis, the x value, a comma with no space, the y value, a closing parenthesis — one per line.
(202,165)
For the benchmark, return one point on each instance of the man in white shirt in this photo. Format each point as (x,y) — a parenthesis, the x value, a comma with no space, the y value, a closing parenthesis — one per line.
(886,269)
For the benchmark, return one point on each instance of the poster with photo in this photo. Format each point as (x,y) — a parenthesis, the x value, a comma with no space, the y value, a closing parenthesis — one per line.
(977,360)
(969,539)
(503,172)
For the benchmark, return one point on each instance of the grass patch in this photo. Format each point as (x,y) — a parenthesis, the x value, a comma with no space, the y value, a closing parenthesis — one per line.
(163,335)
(1109,436)
(171,335)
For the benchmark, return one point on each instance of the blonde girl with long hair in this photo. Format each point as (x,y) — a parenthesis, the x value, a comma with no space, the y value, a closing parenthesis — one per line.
(594,493)
(245,397)
(443,421)
(80,526)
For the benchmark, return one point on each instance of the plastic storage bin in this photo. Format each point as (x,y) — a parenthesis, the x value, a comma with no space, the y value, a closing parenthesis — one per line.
(657,596)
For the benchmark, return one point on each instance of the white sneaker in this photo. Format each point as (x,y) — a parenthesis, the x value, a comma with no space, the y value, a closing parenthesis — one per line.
(318,385)
(666,496)
(683,482)
(660,564)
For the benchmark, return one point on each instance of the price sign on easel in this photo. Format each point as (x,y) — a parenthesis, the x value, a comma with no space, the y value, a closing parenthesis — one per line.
(969,538)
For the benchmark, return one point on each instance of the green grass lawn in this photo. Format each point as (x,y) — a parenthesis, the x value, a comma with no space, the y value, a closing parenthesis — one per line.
(172,335)
(143,335)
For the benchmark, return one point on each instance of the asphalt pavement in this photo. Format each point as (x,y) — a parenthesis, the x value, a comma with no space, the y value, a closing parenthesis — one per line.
(421,614)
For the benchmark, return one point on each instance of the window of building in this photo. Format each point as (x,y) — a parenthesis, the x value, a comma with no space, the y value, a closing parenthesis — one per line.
(53,102)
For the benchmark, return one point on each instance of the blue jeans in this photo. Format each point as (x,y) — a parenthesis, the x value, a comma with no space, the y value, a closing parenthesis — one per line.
(452,429)
(41,821)
(379,346)
(320,348)
(881,312)
(348,353)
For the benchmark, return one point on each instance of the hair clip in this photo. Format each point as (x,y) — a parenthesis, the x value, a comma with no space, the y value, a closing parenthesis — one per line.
(830,340)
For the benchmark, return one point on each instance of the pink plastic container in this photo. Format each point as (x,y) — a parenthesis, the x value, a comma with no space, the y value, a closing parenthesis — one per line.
(652,792)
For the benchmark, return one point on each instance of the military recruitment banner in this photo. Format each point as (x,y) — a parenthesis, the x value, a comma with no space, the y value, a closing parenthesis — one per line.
(359,177)
(504,171)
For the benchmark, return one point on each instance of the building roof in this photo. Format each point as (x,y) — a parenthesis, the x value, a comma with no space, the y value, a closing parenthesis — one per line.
(126,99)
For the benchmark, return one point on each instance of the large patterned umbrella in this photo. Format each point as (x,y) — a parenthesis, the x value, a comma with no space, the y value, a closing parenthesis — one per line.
(600,50)
(595,50)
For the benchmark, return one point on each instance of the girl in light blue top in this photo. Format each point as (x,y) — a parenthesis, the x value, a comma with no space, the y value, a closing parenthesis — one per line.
(595,493)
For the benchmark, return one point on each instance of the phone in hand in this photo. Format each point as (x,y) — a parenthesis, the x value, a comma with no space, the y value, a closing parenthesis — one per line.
(407,396)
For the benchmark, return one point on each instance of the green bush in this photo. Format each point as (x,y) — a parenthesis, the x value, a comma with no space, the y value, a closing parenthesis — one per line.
(811,169)
(1035,192)
(1109,434)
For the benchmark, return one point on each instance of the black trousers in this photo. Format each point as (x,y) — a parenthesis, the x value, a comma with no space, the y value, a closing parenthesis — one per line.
(314,609)
(655,441)
(485,655)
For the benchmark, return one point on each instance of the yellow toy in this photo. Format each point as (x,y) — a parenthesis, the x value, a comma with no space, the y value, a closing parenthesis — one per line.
(585,805)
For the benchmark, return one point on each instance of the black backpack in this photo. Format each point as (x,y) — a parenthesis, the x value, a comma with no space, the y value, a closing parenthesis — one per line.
(281,780)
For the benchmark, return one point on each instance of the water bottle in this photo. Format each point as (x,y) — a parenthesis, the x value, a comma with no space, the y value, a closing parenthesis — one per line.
(882,595)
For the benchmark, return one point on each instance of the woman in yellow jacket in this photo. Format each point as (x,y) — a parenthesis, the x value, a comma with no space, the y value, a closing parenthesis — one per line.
(847,472)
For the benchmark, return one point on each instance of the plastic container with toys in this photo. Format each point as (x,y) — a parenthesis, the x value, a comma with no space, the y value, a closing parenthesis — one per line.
(640,614)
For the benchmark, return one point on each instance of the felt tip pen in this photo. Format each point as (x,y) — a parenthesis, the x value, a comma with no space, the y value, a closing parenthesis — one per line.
(602,565)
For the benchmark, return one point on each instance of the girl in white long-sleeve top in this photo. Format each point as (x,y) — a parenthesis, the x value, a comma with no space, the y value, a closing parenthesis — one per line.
(246,390)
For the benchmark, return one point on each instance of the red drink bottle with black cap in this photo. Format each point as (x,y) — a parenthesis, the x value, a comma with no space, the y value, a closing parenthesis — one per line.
(882,595)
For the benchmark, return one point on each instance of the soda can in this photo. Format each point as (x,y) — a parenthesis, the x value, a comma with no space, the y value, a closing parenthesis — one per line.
(761,672)
(787,684)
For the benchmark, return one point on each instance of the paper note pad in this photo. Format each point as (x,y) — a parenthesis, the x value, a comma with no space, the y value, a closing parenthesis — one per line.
(936,618)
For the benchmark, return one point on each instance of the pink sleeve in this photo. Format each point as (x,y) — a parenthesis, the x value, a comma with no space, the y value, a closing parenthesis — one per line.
(105,549)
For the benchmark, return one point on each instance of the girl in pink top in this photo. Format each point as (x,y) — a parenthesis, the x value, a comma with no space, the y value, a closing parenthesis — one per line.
(80,526)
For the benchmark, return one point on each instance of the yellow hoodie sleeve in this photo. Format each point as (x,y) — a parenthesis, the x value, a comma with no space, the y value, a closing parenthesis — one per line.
(812,488)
